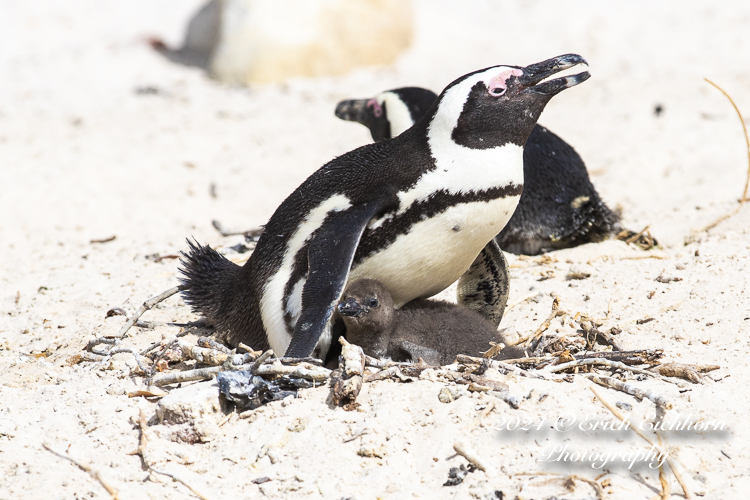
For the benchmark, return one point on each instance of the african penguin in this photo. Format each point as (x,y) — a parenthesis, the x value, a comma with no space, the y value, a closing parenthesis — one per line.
(389,113)
(415,212)
(559,207)
(433,330)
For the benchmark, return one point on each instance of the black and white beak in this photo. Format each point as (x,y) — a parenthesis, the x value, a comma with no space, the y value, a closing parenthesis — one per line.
(350,307)
(534,75)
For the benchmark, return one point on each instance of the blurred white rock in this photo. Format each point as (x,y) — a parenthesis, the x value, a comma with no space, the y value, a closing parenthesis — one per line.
(258,41)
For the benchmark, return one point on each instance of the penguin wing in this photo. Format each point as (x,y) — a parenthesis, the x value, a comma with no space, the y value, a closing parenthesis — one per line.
(484,287)
(329,256)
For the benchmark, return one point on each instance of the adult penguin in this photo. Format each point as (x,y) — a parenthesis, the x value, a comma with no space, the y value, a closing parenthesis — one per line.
(416,212)
(559,207)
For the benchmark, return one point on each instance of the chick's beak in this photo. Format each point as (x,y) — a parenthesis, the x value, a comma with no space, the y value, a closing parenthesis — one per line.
(350,308)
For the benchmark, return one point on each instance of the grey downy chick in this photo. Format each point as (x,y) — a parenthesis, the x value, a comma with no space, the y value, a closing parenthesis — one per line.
(433,330)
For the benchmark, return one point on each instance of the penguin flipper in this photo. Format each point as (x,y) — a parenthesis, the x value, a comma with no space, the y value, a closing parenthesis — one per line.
(329,256)
(484,287)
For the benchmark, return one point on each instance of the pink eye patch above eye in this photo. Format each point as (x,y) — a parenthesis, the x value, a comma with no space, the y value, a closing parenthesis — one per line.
(376,108)
(500,81)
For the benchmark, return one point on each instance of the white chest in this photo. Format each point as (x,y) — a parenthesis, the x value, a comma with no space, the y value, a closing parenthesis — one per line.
(436,251)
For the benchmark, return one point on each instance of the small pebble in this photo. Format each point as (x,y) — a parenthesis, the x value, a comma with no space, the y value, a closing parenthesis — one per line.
(449,394)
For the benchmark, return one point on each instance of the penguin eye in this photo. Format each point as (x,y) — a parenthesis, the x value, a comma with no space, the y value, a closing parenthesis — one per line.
(377,109)
(374,303)
(497,91)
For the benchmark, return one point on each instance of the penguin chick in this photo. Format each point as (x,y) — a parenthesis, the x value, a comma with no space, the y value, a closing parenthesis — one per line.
(559,207)
(433,330)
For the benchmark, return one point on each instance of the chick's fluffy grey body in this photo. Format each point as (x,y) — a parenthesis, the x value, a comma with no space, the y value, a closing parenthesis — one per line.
(433,330)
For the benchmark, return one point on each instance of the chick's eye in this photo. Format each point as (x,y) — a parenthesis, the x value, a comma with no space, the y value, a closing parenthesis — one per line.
(374,303)
(497,91)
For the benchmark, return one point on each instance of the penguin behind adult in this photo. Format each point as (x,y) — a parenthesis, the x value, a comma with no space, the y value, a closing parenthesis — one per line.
(389,113)
(559,207)
(415,212)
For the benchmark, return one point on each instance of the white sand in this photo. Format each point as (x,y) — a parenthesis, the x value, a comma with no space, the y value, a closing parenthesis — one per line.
(83,157)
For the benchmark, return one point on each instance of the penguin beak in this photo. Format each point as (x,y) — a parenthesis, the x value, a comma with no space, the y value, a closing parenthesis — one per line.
(533,75)
(352,110)
(351,308)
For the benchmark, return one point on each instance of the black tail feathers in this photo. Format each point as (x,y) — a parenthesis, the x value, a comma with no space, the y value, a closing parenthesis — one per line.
(206,277)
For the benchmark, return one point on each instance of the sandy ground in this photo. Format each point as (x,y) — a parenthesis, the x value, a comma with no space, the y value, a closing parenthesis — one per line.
(101,137)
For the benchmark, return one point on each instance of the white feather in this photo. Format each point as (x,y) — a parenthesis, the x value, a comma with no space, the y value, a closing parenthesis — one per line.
(294,301)
(433,254)
(398,113)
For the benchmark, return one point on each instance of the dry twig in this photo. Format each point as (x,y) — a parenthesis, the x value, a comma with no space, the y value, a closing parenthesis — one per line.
(143,443)
(274,368)
(214,355)
(170,378)
(637,393)
(665,489)
(535,361)
(210,343)
(597,487)
(104,240)
(349,377)
(145,307)
(694,234)
(303,370)
(86,468)
(556,312)
(637,429)
(605,338)
(606,258)
(390,372)
(643,240)
(503,367)
(470,378)
(612,364)
(180,480)
(262,359)
(466,451)
(148,465)
(688,372)
(638,357)
(747,140)
(136,355)
(635,237)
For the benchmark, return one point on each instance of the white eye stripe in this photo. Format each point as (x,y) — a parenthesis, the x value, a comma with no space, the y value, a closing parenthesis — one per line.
(398,113)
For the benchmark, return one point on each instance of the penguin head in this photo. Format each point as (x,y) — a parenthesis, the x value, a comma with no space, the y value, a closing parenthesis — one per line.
(367,310)
(389,113)
(501,104)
